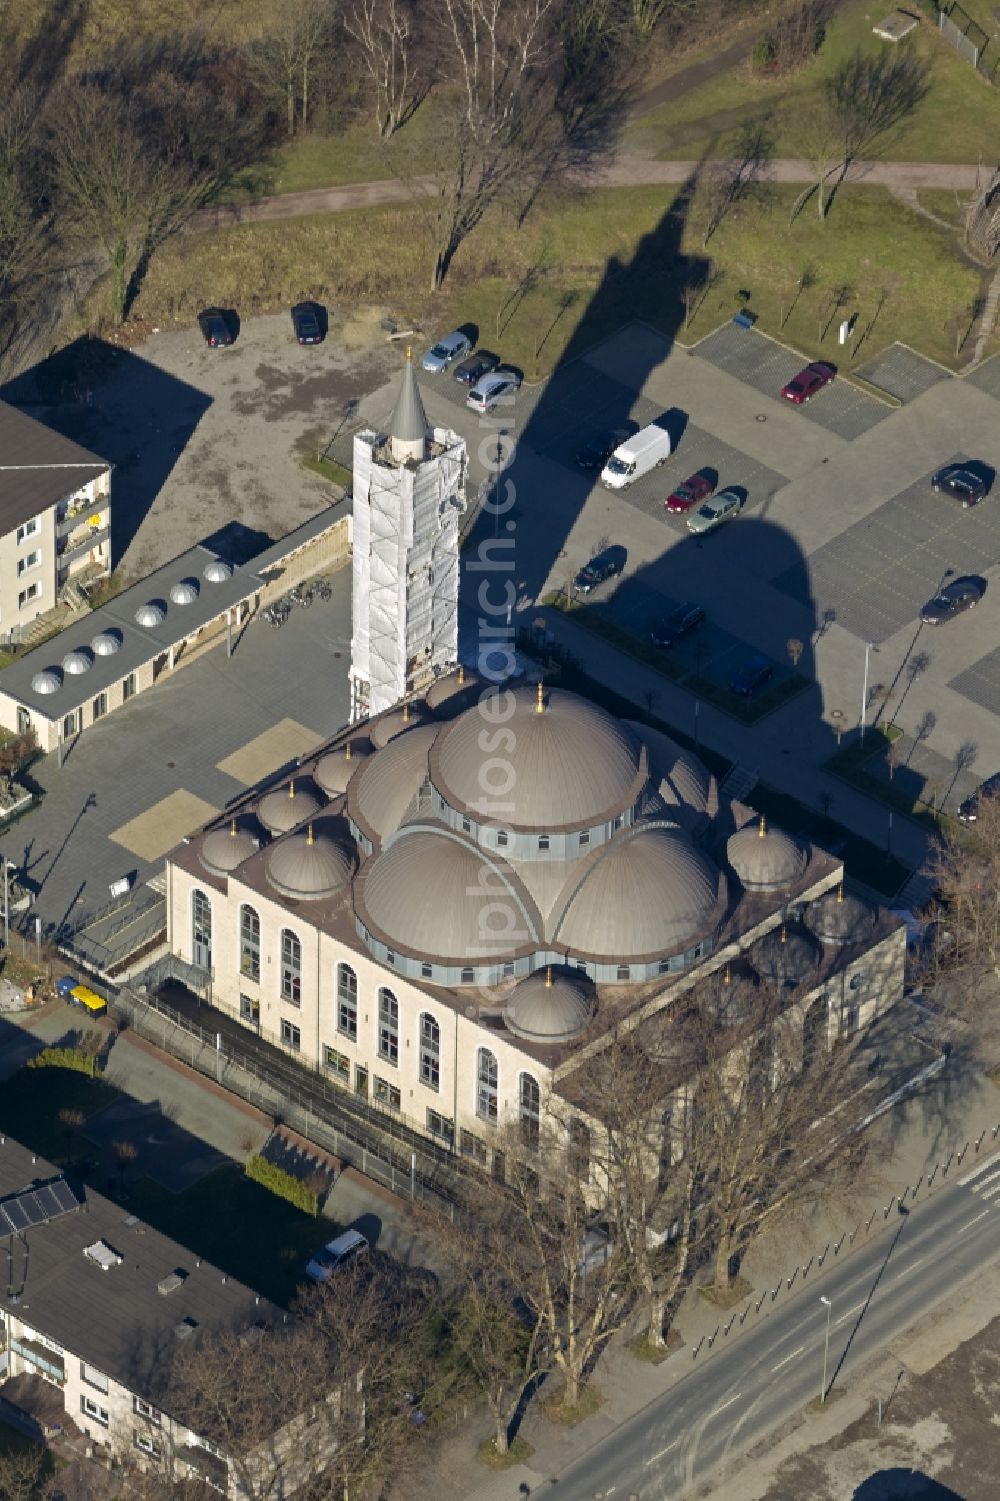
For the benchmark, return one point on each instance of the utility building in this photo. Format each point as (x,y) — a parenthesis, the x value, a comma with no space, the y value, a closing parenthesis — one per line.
(409,493)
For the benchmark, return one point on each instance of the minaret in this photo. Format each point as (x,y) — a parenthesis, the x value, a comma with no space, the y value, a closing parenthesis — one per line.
(409,494)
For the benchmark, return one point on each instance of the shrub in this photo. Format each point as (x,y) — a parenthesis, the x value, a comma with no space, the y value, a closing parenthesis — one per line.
(285,1185)
(78,1059)
(763,53)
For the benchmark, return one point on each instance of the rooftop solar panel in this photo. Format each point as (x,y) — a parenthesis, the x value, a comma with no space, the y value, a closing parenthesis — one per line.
(33,1211)
(12,1215)
(64,1196)
(48,1201)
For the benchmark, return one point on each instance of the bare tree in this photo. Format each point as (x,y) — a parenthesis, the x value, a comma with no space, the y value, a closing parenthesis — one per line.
(798,33)
(982,225)
(283,60)
(732,181)
(23,1466)
(964,961)
(385,34)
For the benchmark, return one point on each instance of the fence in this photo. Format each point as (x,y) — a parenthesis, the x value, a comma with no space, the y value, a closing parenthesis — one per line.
(878,1217)
(970,41)
(354,1132)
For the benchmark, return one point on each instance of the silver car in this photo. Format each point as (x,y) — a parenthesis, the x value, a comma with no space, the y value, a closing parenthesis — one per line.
(712,513)
(446,351)
(486,393)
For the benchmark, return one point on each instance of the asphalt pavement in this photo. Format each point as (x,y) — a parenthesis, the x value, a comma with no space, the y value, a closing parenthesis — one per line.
(735,1397)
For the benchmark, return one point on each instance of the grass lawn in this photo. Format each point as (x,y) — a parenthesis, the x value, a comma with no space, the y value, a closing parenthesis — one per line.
(30,1102)
(238,1225)
(851,764)
(958,120)
(582,266)
(358,155)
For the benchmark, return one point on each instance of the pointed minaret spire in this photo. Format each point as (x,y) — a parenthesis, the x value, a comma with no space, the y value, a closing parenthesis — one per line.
(408,427)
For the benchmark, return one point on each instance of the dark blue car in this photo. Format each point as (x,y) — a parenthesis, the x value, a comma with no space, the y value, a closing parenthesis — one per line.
(753,674)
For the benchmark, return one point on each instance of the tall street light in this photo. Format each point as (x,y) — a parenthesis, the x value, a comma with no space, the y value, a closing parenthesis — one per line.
(826,1346)
(869,648)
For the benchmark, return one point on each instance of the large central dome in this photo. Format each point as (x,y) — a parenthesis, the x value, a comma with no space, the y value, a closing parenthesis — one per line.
(557,762)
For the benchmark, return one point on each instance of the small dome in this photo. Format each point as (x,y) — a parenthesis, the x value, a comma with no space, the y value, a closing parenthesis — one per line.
(185,592)
(150,615)
(286,807)
(839,918)
(396,722)
(765,859)
(76,663)
(334,770)
(684,782)
(46,682)
(222,850)
(389,781)
(310,866)
(217,571)
(106,644)
(571,765)
(431,894)
(787,955)
(649,892)
(454,692)
(552,1005)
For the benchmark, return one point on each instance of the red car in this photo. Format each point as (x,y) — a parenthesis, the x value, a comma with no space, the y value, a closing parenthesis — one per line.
(808,381)
(693,490)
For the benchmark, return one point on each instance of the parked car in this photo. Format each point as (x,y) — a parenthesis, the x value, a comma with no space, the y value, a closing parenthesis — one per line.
(636,456)
(488,392)
(596,452)
(670,629)
(446,351)
(306,324)
(475,367)
(214,328)
(721,507)
(959,484)
(968,811)
(694,489)
(604,565)
(337,1253)
(951,600)
(808,381)
(751,676)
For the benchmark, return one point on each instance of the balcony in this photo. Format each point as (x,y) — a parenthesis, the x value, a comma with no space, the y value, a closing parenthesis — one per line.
(78,545)
(77,515)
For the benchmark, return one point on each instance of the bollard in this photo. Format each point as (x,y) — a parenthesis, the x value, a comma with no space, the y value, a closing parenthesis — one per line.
(760,1301)
(869,1224)
(836,1249)
(732,1321)
(944,1170)
(995,1130)
(962,1153)
(713,1337)
(933,1175)
(824,1255)
(888,1208)
(981,1136)
(805,1269)
(916,1189)
(694,1352)
(743,1315)
(792,1277)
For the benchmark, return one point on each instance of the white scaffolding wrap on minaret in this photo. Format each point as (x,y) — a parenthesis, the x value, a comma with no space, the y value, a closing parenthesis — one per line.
(409,495)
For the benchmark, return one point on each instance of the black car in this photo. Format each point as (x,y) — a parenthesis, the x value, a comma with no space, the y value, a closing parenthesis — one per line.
(596,452)
(960,484)
(968,811)
(306,324)
(475,367)
(670,629)
(605,565)
(753,674)
(214,328)
(951,600)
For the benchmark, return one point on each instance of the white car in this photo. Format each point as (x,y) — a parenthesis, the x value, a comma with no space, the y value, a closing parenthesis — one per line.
(492,389)
(336,1253)
(446,351)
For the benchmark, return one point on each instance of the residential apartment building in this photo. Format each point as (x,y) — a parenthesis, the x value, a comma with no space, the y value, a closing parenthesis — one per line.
(55,519)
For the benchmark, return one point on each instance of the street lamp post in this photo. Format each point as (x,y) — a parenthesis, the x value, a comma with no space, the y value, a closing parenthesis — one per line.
(826,1346)
(869,648)
(838,723)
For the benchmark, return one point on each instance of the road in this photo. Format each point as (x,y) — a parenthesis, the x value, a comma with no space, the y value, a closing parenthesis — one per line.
(735,1397)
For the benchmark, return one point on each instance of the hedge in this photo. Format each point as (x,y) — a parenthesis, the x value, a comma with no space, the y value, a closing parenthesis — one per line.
(73,1058)
(285,1185)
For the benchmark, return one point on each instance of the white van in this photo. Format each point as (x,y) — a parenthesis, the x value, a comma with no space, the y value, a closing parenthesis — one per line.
(636,457)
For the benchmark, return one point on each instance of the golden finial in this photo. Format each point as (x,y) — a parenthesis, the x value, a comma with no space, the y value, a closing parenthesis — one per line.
(840,892)
(540,699)
(727,975)
(309,835)
(762,827)
(461,674)
(347,751)
(409,354)
(232,829)
(784,933)
(548,977)
(291,788)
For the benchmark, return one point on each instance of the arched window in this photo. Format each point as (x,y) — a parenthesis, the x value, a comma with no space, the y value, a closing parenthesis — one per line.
(249,942)
(347,1002)
(291,967)
(388,1026)
(486,1085)
(430,1051)
(201,930)
(529,1106)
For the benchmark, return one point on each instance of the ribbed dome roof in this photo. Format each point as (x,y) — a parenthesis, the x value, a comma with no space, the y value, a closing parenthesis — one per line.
(222,850)
(681,778)
(839,917)
(427,894)
(571,765)
(106,643)
(47,681)
(455,692)
(396,722)
(649,892)
(765,859)
(184,592)
(150,615)
(381,794)
(287,806)
(787,955)
(552,1005)
(217,571)
(334,770)
(312,865)
(76,663)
